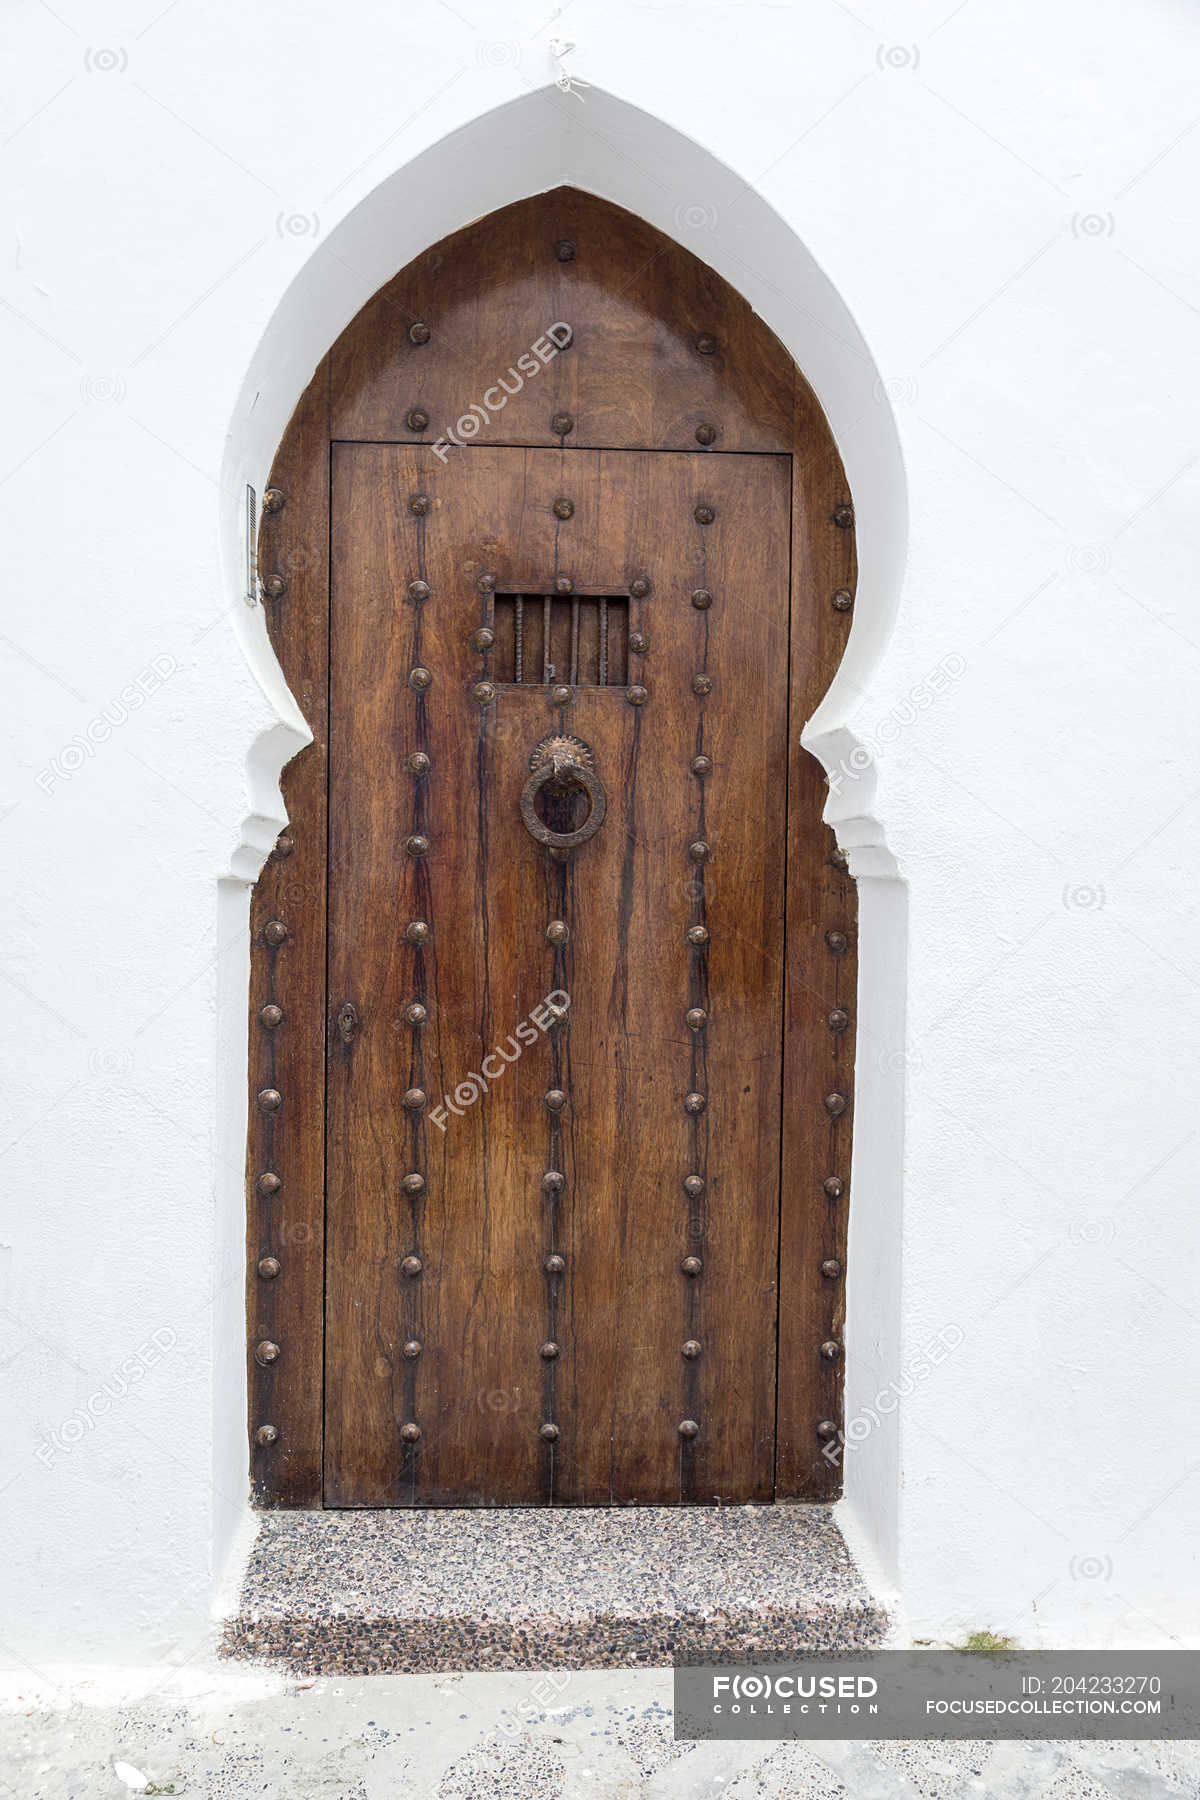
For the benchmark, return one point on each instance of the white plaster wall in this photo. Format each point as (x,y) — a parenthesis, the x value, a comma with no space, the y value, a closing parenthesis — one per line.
(1001,202)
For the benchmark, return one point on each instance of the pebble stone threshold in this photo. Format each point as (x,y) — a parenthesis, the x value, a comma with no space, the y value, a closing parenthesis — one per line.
(359,1593)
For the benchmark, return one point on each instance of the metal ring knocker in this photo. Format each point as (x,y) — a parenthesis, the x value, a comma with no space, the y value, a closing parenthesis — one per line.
(560,764)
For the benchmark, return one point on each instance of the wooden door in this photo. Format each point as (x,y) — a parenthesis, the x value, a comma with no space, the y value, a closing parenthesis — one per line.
(553,1121)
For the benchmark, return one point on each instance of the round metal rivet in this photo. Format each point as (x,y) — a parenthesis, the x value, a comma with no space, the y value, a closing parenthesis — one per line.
(704,515)
(831,1350)
(269,1183)
(266,1352)
(484,692)
(412,1350)
(843,600)
(706,344)
(826,1428)
(411,1432)
(413,1100)
(837,942)
(416,845)
(834,1187)
(554,1265)
(486,582)
(693,1186)
(701,599)
(418,505)
(548,1352)
(706,434)
(562,423)
(413,1184)
(275,931)
(636,695)
(484,638)
(843,517)
(838,1019)
(835,1105)
(561,695)
(568,340)
(690,1349)
(275,586)
(412,1265)
(563,508)
(565,250)
(419,332)
(553,1182)
(697,936)
(694,1103)
(417,419)
(688,1429)
(639,643)
(266,1435)
(269,1100)
(268,1267)
(284,845)
(419,763)
(416,932)
(548,1432)
(702,765)
(699,851)
(270,1016)
(563,584)
(831,1269)
(639,587)
(691,1265)
(557,932)
(415,1013)
(419,591)
(697,1018)
(555,1099)
(274,500)
(419,679)
(702,684)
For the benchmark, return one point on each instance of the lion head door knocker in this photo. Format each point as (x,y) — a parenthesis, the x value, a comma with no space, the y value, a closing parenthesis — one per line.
(561,767)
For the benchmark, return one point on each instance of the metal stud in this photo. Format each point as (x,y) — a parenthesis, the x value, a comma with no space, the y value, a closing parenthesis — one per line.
(284,845)
(694,1104)
(486,582)
(564,508)
(266,1353)
(549,1352)
(553,1182)
(697,1018)
(562,695)
(688,1429)
(562,424)
(419,679)
(484,692)
(419,763)
(417,419)
(269,1183)
(701,599)
(557,932)
(270,1016)
(275,931)
(266,1435)
(419,332)
(639,643)
(566,342)
(702,684)
(555,1099)
(843,600)
(548,1432)
(419,505)
(419,591)
(275,586)
(639,587)
(413,1099)
(690,1349)
(706,434)
(835,1105)
(843,517)
(697,936)
(412,1265)
(838,1019)
(484,638)
(704,515)
(827,1428)
(269,1100)
(416,932)
(416,845)
(563,584)
(274,500)
(831,1268)
(268,1268)
(636,695)
(831,1350)
(691,1265)
(693,1186)
(701,765)
(411,1432)
(412,1350)
(565,250)
(557,1013)
(837,942)
(413,1184)
(415,1013)
(699,851)
(347,1021)
(834,1187)
(554,1265)
(706,344)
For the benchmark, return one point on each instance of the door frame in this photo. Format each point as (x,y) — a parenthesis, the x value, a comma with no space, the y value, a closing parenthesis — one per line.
(289,1012)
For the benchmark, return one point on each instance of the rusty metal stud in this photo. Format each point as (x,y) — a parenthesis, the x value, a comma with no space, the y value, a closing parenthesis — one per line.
(412,1350)
(416,845)
(838,1019)
(415,1013)
(284,845)
(839,860)
(690,1349)
(275,931)
(557,1013)
(702,684)
(831,1268)
(639,587)
(548,1432)
(484,638)
(562,424)
(699,851)
(486,582)
(697,1018)
(419,591)
(831,1350)
(419,763)
(270,1016)
(835,1105)
(269,1100)
(484,692)
(691,1265)
(636,695)
(555,1099)
(419,332)
(837,942)
(268,1268)
(274,500)
(554,1265)
(704,515)
(269,1183)
(827,1428)
(557,932)
(417,419)
(266,1353)
(266,1435)
(419,679)
(701,765)
(834,1187)
(275,586)
(561,695)
(548,1352)
(697,936)
(706,434)
(701,599)
(688,1429)
(416,932)
(413,1099)
(413,1185)
(693,1186)
(843,517)
(347,1021)
(563,584)
(843,600)
(419,505)
(564,508)
(553,1182)
(565,250)
(694,1104)
(706,344)
(412,1265)
(411,1432)
(568,340)
(639,643)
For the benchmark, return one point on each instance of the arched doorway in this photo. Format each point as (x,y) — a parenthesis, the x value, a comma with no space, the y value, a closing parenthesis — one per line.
(553,974)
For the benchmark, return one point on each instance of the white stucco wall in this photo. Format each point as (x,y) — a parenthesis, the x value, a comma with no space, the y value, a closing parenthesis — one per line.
(975,229)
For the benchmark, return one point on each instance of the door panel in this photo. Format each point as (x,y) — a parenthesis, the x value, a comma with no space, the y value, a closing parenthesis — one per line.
(478,1415)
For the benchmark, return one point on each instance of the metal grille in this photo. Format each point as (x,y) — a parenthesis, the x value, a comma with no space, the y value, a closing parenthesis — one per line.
(582,639)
